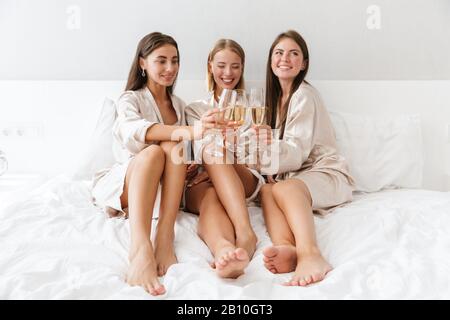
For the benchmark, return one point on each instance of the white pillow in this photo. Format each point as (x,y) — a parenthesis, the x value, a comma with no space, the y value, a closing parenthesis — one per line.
(100,152)
(382,152)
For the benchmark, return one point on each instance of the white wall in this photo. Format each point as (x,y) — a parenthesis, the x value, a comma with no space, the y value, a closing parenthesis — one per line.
(90,45)
(96,39)
(67,112)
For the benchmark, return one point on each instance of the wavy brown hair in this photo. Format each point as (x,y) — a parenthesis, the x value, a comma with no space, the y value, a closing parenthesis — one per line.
(273,87)
(147,45)
(219,46)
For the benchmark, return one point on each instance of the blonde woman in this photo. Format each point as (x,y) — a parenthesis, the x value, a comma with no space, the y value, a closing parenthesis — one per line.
(149,115)
(219,193)
(311,175)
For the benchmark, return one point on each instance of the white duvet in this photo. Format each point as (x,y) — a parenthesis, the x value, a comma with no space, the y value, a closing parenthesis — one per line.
(54,244)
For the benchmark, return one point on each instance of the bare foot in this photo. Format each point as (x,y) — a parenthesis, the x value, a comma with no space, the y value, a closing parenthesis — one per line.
(280,259)
(164,255)
(310,268)
(142,271)
(230,263)
(247,241)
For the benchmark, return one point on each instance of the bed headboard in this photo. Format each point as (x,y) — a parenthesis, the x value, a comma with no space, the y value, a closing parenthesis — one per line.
(45,125)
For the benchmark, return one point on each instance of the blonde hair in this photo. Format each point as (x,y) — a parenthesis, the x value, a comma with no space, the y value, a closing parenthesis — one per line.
(218,46)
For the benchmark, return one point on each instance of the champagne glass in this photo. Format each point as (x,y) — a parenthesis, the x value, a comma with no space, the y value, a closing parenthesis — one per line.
(258,107)
(240,108)
(238,114)
(226,103)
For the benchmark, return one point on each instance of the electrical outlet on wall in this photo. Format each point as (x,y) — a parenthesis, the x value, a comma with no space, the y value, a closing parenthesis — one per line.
(28,130)
(448,133)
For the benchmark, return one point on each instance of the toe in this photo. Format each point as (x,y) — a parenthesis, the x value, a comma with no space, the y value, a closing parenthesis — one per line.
(295,283)
(273,270)
(302,282)
(232,255)
(160,289)
(308,279)
(150,289)
(221,262)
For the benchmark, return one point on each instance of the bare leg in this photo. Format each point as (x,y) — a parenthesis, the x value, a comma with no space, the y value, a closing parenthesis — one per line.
(141,186)
(231,192)
(216,229)
(171,194)
(293,198)
(281,257)
(248,180)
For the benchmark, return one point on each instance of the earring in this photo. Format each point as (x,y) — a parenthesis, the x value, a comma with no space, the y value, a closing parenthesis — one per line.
(143,73)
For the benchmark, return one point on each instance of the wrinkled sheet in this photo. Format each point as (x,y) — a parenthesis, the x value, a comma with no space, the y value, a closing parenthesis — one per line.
(55,244)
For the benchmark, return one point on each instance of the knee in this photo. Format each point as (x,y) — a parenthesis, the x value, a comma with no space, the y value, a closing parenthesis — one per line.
(151,156)
(167,146)
(282,189)
(173,151)
(289,188)
(266,190)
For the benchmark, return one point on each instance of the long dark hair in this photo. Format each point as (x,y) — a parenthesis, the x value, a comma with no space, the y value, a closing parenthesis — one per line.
(273,87)
(147,45)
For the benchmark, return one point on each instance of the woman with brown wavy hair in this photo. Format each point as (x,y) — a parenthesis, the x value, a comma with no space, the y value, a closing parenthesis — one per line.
(310,175)
(149,126)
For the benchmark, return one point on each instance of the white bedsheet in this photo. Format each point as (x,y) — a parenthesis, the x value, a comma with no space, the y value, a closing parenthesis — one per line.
(54,244)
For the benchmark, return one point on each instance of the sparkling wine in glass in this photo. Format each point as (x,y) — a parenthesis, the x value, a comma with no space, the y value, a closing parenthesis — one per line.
(225,106)
(258,107)
(240,108)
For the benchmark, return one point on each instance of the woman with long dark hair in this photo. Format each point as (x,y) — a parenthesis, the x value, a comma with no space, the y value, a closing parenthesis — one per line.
(149,126)
(310,176)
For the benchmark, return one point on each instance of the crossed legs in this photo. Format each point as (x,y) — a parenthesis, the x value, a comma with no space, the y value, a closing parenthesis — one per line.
(224,223)
(290,223)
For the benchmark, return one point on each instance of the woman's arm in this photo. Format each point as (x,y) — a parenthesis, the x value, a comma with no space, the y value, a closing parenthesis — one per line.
(162,132)
(289,153)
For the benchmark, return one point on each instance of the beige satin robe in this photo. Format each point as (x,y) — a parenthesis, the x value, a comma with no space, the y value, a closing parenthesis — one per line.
(308,152)
(194,112)
(137,111)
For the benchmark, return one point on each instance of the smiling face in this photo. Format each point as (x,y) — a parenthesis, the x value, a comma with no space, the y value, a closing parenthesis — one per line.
(161,65)
(287,60)
(226,68)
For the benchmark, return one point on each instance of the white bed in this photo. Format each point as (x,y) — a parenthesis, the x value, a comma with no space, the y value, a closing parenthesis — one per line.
(391,244)
(55,244)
